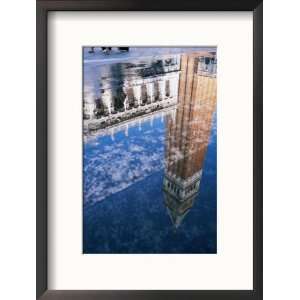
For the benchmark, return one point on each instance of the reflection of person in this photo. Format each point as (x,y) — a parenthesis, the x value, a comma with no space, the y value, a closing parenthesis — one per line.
(92,50)
(125,49)
(106,50)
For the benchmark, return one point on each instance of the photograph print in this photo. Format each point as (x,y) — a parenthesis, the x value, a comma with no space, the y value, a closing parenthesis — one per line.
(149,150)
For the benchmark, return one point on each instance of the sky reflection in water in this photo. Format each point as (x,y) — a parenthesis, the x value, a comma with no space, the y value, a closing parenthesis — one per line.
(124,209)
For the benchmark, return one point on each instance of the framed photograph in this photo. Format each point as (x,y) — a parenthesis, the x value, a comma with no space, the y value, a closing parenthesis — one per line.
(149,150)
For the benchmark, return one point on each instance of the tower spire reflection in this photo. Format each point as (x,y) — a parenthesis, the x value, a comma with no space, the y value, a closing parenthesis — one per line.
(187,133)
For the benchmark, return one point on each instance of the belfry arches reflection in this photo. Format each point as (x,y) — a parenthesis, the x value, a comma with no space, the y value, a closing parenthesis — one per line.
(187,133)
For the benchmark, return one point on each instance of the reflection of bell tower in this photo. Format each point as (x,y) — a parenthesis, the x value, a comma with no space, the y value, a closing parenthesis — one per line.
(188,133)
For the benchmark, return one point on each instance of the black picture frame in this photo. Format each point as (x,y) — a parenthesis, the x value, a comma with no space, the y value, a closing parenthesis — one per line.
(43,7)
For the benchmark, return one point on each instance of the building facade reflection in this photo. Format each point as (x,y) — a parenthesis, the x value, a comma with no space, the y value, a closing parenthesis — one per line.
(187,133)
(128,90)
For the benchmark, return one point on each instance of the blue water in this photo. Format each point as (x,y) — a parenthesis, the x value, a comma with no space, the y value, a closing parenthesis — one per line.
(124,209)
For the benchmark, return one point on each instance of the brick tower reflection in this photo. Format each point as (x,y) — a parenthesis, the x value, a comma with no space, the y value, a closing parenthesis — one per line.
(188,131)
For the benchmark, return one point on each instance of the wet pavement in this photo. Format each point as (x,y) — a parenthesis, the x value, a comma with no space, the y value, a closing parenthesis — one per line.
(150,185)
